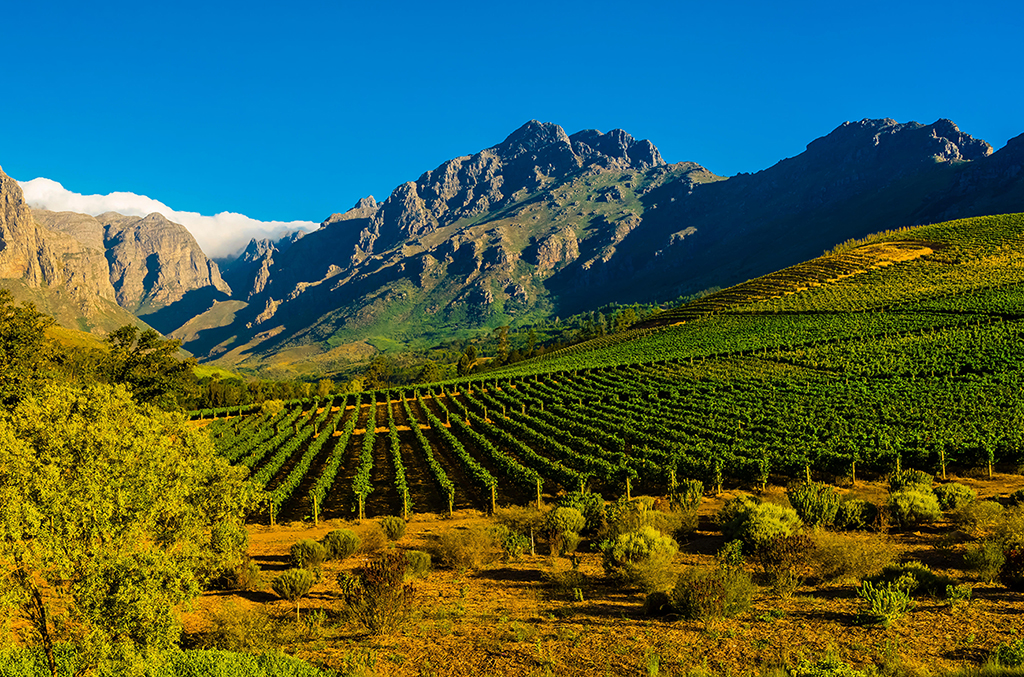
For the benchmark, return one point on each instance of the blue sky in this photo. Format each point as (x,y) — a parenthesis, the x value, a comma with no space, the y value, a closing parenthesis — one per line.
(292,111)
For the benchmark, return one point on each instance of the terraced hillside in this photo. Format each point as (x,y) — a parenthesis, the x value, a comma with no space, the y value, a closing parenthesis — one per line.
(902,350)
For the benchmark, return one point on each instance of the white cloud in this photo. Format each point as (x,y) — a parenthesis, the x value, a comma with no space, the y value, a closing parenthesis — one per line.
(220,235)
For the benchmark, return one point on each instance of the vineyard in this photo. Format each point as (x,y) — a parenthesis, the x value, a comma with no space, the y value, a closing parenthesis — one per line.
(904,352)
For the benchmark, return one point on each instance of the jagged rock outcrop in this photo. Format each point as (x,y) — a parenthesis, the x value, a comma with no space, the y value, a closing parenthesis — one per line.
(248,275)
(50,260)
(23,253)
(155,262)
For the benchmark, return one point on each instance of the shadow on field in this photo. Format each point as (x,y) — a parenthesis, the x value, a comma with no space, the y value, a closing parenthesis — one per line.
(273,562)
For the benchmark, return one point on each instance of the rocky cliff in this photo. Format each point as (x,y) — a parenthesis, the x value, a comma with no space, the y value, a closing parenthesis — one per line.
(63,271)
(547,223)
(155,262)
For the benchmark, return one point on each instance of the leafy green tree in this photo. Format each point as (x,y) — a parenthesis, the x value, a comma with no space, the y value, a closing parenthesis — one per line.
(431,373)
(149,365)
(501,356)
(378,374)
(324,387)
(24,349)
(467,361)
(105,511)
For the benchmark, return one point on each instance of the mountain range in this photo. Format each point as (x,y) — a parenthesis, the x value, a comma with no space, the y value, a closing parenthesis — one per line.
(543,224)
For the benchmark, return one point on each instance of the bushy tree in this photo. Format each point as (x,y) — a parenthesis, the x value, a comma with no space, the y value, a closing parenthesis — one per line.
(151,367)
(24,348)
(106,508)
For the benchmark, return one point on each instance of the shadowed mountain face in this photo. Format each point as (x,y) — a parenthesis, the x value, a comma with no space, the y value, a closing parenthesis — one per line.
(542,224)
(545,223)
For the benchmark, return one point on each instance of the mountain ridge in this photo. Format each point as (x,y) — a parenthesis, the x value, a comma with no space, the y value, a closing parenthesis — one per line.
(545,223)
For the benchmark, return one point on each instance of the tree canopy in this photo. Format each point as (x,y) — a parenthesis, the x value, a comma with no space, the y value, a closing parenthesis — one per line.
(105,510)
(150,366)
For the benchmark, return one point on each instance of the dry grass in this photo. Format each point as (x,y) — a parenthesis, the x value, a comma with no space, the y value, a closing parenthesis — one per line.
(525,617)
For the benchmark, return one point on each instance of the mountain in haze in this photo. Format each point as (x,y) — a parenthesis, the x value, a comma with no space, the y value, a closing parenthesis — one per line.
(540,225)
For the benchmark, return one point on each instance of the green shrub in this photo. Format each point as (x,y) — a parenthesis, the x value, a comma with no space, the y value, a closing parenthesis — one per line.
(588,504)
(243,575)
(642,558)
(887,602)
(378,597)
(308,554)
(916,578)
(237,628)
(563,520)
(731,554)
(910,479)
(393,527)
(463,549)
(816,503)
(658,603)
(850,556)
(783,560)
(562,526)
(754,522)
(910,507)
(372,538)
(735,512)
(1009,528)
(31,662)
(511,542)
(341,543)
(1009,654)
(418,563)
(985,559)
(293,585)
(855,514)
(954,495)
(687,495)
(979,517)
(713,594)
(829,666)
(958,596)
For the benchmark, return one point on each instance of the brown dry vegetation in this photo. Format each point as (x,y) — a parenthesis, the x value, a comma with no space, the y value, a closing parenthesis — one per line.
(522,617)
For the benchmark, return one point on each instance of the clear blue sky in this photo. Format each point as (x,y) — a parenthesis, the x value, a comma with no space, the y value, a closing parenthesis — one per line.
(295,110)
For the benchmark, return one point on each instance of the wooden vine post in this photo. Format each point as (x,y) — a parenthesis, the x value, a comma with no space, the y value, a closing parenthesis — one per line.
(271,513)
(538,492)
(316,512)
(362,509)
(494,501)
(405,504)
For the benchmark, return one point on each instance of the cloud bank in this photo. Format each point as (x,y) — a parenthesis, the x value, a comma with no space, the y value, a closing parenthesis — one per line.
(224,234)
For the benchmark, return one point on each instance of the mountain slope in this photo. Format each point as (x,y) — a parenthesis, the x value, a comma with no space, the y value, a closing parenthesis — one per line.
(547,224)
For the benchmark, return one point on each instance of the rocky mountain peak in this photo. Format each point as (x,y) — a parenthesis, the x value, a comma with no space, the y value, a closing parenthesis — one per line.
(896,143)
(618,145)
(154,262)
(531,138)
(257,249)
